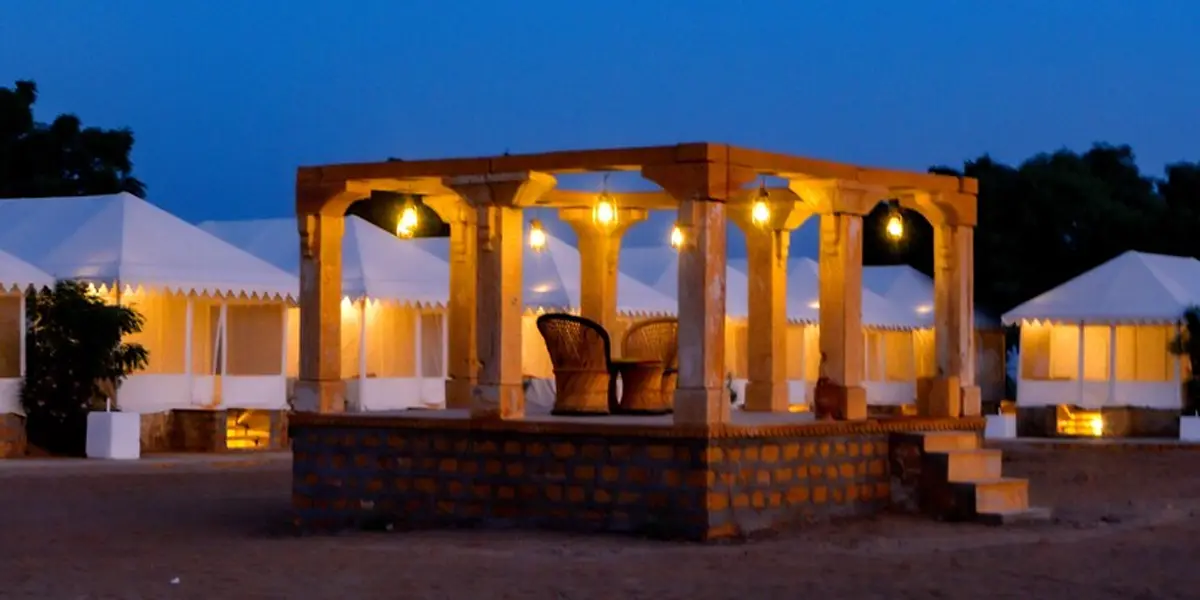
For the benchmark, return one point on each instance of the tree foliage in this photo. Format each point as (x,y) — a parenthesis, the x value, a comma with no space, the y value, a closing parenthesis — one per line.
(75,358)
(1055,216)
(62,158)
(1187,345)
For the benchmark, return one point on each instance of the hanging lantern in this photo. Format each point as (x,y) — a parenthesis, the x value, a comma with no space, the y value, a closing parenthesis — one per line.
(406,225)
(760,210)
(604,213)
(895,225)
(676,237)
(537,236)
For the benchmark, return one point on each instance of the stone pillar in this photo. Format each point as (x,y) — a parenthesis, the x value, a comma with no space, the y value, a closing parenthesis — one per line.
(954,392)
(497,200)
(599,257)
(462,362)
(842,205)
(841,337)
(320,387)
(767,253)
(702,190)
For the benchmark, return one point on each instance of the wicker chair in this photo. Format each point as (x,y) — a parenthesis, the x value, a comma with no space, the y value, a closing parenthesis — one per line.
(656,339)
(581,353)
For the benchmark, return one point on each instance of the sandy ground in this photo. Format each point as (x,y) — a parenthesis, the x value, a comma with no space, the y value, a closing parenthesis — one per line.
(1125,527)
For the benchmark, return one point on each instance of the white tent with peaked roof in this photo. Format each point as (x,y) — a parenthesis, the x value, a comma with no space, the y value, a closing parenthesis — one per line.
(1101,338)
(16,278)
(394,292)
(215,315)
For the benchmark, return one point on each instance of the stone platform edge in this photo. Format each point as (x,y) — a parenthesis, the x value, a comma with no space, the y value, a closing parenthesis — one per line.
(579,427)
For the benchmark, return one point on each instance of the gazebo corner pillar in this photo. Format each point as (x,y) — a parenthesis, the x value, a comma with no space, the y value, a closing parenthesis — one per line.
(702,190)
(767,323)
(498,200)
(842,205)
(599,257)
(462,366)
(954,392)
(320,211)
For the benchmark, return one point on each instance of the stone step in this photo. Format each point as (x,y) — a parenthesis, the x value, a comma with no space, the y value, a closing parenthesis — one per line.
(946,441)
(974,465)
(1004,495)
(1036,514)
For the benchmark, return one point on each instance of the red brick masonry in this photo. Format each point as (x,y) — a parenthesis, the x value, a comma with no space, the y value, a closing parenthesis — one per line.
(12,436)
(702,484)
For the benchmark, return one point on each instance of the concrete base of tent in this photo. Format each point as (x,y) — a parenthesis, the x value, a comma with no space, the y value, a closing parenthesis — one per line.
(12,436)
(758,474)
(219,430)
(1118,422)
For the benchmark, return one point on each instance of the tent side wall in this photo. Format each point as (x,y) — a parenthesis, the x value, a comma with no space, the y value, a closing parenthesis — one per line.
(1098,366)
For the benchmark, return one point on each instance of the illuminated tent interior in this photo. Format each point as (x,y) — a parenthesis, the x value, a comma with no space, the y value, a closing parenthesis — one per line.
(1101,339)
(214,315)
(393,297)
(911,290)
(17,278)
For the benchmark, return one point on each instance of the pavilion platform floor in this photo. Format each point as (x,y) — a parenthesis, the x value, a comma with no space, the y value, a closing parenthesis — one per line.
(634,474)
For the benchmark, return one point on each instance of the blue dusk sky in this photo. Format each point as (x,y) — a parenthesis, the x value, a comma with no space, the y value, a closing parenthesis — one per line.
(227,97)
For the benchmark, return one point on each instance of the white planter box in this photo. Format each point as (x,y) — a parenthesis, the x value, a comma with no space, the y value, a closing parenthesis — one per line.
(1189,429)
(116,435)
(1000,427)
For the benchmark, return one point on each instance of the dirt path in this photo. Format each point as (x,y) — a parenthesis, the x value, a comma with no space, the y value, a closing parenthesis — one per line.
(1126,528)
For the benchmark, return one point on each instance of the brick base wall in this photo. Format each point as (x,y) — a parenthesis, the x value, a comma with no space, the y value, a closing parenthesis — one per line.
(12,436)
(360,471)
(201,431)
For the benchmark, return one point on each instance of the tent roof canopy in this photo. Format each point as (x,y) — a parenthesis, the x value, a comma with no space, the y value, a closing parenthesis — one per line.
(911,290)
(18,275)
(120,239)
(375,264)
(1134,287)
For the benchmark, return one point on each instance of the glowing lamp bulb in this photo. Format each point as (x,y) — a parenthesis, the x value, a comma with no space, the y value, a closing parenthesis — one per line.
(537,236)
(605,213)
(676,237)
(895,227)
(760,213)
(1097,425)
(407,225)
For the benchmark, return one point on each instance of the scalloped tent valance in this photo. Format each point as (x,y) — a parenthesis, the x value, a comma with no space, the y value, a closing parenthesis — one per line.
(17,275)
(122,240)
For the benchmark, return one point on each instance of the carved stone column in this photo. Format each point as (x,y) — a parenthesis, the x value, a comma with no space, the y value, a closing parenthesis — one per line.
(954,392)
(767,253)
(319,219)
(497,200)
(702,190)
(599,257)
(842,206)
(463,368)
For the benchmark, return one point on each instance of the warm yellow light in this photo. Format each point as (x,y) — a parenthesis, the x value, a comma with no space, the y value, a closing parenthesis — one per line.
(1089,423)
(924,309)
(407,225)
(537,236)
(815,304)
(1097,425)
(676,237)
(895,227)
(760,213)
(605,212)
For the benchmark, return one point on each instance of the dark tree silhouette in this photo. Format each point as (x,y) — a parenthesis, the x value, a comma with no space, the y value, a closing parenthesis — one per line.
(62,158)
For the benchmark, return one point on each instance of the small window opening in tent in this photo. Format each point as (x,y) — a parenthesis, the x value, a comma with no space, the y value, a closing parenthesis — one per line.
(1079,423)
(247,429)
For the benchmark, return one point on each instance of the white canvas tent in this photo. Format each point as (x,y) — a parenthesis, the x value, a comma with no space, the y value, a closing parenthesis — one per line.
(17,277)
(393,309)
(215,315)
(911,290)
(1101,339)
